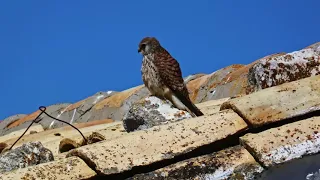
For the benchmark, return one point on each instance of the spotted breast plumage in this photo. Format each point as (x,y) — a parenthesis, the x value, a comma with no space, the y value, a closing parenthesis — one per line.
(162,75)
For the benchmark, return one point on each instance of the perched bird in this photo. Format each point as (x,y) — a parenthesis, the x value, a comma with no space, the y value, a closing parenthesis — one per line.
(162,75)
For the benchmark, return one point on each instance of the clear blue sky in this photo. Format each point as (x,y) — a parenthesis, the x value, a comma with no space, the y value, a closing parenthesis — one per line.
(64,51)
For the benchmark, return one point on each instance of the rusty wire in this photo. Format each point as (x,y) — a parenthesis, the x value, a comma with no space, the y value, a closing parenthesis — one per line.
(36,120)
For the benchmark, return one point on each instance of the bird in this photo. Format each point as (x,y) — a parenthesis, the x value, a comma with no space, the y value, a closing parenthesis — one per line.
(162,76)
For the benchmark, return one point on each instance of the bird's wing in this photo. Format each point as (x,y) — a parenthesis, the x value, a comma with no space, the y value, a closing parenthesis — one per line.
(170,73)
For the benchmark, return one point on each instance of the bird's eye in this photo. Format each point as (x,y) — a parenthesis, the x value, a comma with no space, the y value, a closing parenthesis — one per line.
(143,46)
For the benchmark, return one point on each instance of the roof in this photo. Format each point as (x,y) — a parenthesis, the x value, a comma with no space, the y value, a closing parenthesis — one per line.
(253,120)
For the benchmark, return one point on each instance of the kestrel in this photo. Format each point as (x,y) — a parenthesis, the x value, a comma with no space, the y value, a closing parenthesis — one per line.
(162,76)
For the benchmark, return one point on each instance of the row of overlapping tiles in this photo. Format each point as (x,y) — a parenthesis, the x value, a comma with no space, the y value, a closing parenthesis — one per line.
(233,80)
(121,151)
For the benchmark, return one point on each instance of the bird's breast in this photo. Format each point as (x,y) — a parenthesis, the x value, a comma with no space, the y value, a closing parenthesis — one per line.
(151,76)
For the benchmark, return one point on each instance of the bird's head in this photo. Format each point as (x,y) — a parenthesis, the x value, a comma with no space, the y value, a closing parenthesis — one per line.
(148,45)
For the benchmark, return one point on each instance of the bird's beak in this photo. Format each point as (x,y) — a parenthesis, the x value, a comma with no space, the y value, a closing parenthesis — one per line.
(139,50)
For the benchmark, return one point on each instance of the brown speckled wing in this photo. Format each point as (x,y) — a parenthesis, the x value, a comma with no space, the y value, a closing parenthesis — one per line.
(170,72)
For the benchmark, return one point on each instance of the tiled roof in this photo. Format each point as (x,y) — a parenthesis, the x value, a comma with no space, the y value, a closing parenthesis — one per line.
(244,131)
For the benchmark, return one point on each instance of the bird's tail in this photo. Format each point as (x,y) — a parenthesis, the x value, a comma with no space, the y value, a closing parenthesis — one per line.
(194,110)
(190,107)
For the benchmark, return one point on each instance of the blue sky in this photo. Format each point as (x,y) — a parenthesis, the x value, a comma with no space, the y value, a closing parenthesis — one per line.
(64,51)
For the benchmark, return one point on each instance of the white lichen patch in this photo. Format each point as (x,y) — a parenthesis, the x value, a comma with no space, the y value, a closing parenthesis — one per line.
(231,163)
(314,71)
(97,98)
(166,109)
(289,152)
(220,173)
(36,151)
(226,173)
(269,72)
(109,92)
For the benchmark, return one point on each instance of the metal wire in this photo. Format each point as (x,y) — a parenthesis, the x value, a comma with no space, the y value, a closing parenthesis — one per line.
(36,120)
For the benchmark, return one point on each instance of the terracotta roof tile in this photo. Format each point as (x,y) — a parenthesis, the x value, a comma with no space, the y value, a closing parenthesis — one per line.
(117,99)
(29,117)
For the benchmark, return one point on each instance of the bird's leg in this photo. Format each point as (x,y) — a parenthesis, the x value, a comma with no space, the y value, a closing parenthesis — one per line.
(164,100)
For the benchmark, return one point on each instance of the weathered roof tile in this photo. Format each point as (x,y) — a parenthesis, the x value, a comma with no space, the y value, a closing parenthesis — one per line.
(160,142)
(289,67)
(231,163)
(15,134)
(68,168)
(203,88)
(117,99)
(29,117)
(7,121)
(53,110)
(115,106)
(284,143)
(278,103)
(212,106)
(52,138)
